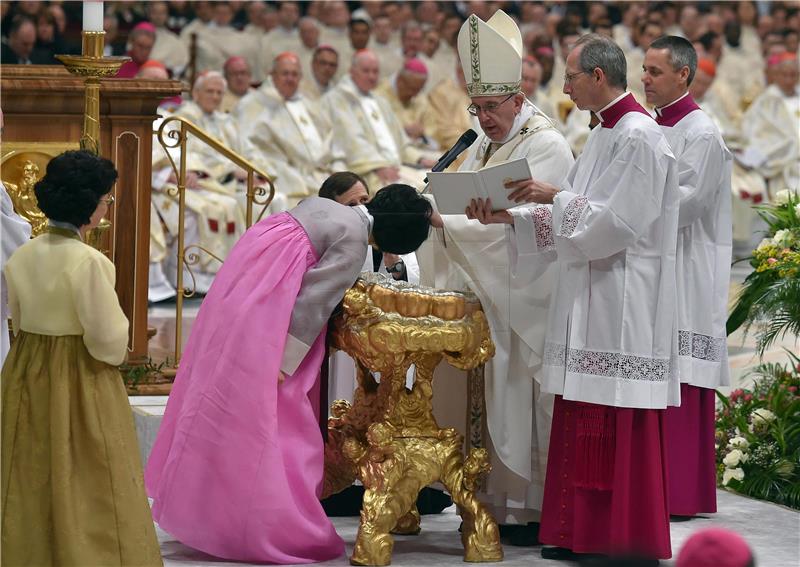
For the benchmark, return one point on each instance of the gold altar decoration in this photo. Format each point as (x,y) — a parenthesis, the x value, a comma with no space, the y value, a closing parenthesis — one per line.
(173,135)
(389,438)
(564,109)
(92,65)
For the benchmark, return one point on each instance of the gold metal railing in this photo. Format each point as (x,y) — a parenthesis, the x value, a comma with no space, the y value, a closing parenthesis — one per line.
(173,133)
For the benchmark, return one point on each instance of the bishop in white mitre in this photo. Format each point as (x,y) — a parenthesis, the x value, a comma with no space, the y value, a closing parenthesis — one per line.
(703,271)
(467,255)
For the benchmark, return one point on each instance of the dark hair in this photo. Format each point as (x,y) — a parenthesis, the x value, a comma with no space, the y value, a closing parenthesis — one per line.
(356,21)
(402,218)
(18,21)
(707,40)
(340,183)
(681,53)
(73,185)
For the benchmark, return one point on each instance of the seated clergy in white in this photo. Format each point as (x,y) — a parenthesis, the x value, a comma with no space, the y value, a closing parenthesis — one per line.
(403,92)
(204,112)
(610,352)
(467,255)
(371,136)
(239,78)
(322,69)
(168,48)
(703,271)
(213,219)
(220,40)
(292,134)
(215,187)
(770,130)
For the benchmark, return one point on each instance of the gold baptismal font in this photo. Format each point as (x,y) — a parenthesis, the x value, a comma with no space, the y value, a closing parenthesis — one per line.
(388,439)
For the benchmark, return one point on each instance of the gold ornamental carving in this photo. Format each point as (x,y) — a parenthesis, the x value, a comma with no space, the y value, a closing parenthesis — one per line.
(389,438)
(25,163)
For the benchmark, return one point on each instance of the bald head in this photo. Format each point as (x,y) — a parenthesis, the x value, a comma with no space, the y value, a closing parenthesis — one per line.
(365,70)
(286,74)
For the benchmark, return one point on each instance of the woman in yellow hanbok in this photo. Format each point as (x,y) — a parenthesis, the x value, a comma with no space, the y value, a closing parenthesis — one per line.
(72,489)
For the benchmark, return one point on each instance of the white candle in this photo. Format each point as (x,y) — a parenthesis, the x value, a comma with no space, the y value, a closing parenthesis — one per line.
(92,16)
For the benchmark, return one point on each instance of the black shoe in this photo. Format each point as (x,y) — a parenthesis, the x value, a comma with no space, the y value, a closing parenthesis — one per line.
(677,519)
(525,536)
(344,503)
(432,501)
(559,554)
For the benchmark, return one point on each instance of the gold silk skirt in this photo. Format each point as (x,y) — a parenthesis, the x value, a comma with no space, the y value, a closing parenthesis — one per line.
(72,492)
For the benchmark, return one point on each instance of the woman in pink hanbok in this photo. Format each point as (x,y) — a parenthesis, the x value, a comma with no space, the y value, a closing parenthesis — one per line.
(236,470)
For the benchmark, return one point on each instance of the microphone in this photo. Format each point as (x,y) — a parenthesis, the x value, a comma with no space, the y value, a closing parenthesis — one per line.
(465,141)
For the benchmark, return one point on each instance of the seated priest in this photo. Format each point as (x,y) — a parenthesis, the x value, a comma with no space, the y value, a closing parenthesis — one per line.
(214,217)
(372,138)
(770,127)
(447,116)
(291,132)
(403,92)
(237,467)
(203,111)
(239,77)
(319,79)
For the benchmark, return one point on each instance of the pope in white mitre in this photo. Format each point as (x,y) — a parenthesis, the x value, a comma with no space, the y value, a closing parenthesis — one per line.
(468,255)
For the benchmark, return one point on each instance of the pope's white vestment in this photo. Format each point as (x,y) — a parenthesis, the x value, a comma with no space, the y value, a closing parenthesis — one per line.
(468,255)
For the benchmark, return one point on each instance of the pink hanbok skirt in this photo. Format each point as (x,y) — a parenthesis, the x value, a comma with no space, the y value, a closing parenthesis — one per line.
(236,470)
(606,485)
(692,457)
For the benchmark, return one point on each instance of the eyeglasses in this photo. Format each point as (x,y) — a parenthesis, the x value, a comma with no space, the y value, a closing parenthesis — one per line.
(490,107)
(108,200)
(569,77)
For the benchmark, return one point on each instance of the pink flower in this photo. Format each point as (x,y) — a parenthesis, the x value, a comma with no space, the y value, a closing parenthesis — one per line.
(748,397)
(793,389)
(771,261)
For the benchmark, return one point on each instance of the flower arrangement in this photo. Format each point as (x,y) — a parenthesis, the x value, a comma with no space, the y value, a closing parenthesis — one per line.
(758,435)
(771,293)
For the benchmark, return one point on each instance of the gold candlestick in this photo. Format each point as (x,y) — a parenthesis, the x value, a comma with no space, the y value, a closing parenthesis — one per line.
(93,66)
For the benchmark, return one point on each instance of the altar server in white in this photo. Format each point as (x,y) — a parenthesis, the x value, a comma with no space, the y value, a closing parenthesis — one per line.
(703,271)
(610,355)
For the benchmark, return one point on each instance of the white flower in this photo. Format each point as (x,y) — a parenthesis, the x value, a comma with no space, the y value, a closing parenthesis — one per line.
(736,474)
(797,209)
(783,237)
(764,243)
(738,443)
(762,416)
(782,197)
(733,458)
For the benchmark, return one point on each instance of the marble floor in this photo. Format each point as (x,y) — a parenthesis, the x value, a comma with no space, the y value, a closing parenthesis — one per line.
(773,532)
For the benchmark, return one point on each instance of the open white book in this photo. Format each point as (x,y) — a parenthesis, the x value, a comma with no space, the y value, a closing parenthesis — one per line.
(453,191)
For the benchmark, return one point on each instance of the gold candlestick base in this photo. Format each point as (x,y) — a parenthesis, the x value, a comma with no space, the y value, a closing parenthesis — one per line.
(93,66)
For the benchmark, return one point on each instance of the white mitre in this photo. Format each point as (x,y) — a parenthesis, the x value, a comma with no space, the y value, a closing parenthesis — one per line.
(491,55)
